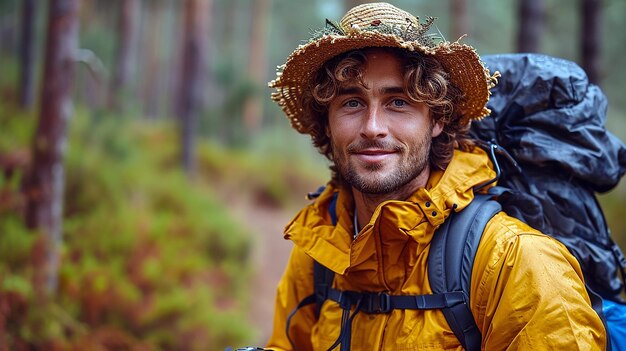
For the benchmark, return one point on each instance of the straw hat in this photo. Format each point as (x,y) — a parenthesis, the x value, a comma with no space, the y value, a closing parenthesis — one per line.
(380,25)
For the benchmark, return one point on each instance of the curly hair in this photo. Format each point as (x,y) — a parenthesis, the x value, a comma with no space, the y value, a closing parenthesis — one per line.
(425,81)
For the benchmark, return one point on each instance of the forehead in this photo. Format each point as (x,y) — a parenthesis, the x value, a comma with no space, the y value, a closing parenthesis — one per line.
(386,55)
(383,62)
(380,67)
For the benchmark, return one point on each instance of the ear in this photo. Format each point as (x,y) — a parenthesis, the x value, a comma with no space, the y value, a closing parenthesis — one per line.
(437,129)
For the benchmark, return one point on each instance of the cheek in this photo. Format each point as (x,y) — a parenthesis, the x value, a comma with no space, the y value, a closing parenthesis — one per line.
(336,137)
(340,129)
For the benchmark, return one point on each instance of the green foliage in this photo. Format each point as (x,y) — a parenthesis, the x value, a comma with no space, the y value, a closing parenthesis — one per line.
(150,260)
(15,242)
(16,130)
(276,169)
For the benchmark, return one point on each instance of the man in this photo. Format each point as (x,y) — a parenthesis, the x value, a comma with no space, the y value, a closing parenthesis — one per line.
(390,108)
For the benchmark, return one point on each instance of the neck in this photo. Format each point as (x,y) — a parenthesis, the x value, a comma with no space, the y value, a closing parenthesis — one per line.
(365,204)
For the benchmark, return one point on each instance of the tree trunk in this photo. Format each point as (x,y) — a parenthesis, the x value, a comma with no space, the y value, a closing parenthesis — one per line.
(27,53)
(151,64)
(45,187)
(257,64)
(531,23)
(171,63)
(460,23)
(591,38)
(124,69)
(195,37)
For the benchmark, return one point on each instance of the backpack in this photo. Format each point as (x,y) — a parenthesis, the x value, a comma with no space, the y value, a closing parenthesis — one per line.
(551,152)
(550,119)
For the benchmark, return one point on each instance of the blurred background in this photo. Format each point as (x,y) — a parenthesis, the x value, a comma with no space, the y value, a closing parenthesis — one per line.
(145,175)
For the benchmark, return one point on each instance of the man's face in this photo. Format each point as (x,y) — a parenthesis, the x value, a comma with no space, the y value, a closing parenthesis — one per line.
(380,138)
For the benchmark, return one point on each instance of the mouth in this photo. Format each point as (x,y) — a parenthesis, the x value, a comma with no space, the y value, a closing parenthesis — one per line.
(373,155)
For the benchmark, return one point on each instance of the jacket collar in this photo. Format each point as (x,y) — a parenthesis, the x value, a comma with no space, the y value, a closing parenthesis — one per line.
(414,219)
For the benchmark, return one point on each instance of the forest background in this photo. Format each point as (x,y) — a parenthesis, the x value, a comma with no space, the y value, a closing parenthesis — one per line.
(145,180)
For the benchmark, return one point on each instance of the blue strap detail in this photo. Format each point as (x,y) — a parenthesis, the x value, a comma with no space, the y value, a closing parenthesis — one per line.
(322,282)
(315,194)
(332,208)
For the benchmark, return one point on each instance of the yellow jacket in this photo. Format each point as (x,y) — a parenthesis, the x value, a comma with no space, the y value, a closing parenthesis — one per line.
(527,290)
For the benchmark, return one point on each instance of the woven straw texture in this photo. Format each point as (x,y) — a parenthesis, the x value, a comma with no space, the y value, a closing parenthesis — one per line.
(380,25)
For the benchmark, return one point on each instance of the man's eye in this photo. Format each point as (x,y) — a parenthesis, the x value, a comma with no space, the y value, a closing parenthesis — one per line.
(398,103)
(352,103)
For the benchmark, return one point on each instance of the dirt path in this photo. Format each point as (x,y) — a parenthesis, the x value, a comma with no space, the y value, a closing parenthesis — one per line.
(269,256)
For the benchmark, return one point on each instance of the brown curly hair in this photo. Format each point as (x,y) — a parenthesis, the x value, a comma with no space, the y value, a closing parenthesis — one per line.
(425,81)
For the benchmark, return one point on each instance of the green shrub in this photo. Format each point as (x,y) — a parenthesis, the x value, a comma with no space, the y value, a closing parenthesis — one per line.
(149,258)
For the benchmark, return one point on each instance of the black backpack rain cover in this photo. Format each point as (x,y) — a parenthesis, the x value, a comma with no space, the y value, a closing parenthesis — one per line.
(548,116)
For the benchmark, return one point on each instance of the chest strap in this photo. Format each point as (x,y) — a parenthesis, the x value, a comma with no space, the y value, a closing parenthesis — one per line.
(384,303)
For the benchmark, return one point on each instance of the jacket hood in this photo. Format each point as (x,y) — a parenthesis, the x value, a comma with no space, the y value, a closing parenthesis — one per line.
(398,232)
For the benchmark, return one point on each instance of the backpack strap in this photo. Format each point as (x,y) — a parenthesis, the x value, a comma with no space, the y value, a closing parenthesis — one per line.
(450,263)
(322,283)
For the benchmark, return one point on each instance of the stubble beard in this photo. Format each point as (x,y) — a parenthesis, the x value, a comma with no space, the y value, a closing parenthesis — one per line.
(372,182)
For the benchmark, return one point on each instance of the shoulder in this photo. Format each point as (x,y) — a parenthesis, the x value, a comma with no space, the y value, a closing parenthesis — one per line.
(297,280)
(507,240)
(512,255)
(527,288)
(300,264)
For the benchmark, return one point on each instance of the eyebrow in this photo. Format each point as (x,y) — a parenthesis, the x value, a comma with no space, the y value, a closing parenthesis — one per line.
(391,90)
(353,90)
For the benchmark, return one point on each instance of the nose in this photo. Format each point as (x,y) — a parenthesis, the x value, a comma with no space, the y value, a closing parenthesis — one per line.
(374,125)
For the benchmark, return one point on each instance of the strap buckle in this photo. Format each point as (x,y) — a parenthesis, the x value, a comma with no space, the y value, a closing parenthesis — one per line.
(378,303)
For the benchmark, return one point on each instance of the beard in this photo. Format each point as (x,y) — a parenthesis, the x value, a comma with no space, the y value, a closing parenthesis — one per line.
(382,178)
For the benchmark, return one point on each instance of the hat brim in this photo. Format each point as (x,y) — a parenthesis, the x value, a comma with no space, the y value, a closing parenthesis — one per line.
(460,61)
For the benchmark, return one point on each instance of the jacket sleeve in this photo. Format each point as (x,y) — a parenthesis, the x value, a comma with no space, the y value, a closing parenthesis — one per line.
(295,284)
(531,293)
